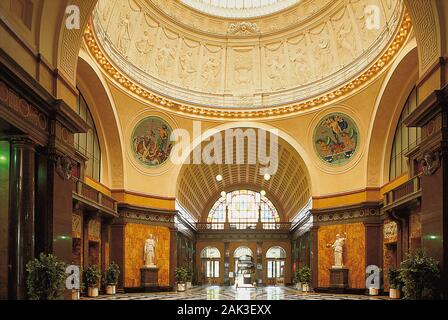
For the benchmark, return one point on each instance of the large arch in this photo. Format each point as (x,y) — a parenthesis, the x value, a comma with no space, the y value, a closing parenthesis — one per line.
(95,90)
(284,204)
(396,87)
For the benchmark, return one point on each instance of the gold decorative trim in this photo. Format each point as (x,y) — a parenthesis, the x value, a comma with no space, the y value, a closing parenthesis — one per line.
(271,112)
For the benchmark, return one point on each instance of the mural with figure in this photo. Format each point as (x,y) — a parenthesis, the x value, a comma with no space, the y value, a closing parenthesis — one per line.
(151,144)
(336,139)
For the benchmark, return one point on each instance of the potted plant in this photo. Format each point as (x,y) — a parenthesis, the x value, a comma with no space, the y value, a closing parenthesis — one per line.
(420,276)
(189,278)
(111,278)
(395,283)
(181,275)
(92,276)
(45,277)
(305,278)
(298,280)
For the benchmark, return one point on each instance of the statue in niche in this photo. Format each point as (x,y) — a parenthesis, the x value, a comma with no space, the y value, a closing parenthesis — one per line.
(150,252)
(324,56)
(164,58)
(144,47)
(187,69)
(124,34)
(301,68)
(338,247)
(346,40)
(276,72)
(210,72)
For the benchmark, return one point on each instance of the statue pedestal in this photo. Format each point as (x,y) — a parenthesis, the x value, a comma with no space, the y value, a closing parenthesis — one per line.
(338,279)
(149,277)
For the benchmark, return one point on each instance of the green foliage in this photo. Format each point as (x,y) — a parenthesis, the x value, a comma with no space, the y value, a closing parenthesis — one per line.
(303,275)
(420,276)
(297,276)
(189,275)
(181,274)
(112,274)
(45,277)
(92,276)
(394,279)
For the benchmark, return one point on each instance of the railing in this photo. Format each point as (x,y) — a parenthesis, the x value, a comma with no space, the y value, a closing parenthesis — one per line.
(269,226)
(87,192)
(407,189)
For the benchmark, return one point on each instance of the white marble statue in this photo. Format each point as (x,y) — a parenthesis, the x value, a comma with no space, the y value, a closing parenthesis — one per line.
(338,247)
(150,252)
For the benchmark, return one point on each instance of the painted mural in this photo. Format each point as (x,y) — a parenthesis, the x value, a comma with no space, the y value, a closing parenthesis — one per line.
(151,143)
(336,139)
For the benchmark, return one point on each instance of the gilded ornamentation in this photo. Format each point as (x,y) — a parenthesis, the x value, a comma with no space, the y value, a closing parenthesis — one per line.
(336,139)
(430,163)
(243,28)
(390,232)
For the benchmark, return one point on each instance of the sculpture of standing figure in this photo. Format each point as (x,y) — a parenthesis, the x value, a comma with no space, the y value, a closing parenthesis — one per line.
(338,247)
(150,252)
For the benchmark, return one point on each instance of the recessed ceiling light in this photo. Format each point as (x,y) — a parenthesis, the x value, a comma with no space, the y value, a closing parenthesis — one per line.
(267,176)
(219,178)
(263,193)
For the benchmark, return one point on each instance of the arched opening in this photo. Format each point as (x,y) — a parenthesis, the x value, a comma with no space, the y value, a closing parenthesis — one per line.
(243,209)
(243,258)
(275,265)
(210,261)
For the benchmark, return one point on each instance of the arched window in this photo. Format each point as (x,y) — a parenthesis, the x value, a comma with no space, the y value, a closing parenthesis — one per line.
(210,262)
(275,258)
(243,210)
(404,140)
(240,252)
(88,143)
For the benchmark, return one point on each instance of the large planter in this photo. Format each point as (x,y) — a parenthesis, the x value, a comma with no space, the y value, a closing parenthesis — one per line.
(111,289)
(75,295)
(305,287)
(299,286)
(181,286)
(189,285)
(92,292)
(394,293)
(374,291)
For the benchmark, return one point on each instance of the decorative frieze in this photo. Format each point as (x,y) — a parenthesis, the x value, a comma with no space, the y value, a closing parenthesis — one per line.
(390,232)
(348,214)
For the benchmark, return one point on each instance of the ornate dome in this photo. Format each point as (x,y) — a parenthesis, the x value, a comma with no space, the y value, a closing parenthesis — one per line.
(239,8)
(308,54)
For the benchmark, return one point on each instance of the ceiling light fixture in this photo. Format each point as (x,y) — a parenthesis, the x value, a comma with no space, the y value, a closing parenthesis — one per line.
(219,178)
(267,176)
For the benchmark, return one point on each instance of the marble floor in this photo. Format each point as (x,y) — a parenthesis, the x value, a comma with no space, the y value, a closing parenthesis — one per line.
(230,293)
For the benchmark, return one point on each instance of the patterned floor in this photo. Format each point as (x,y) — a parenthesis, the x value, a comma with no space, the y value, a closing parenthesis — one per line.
(230,293)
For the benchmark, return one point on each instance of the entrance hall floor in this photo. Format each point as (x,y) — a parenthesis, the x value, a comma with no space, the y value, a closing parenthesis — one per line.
(230,293)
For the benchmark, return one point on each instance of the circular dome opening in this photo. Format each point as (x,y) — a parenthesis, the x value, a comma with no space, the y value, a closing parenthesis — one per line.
(239,8)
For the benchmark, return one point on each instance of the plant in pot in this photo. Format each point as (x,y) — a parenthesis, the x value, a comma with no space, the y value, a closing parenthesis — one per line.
(45,277)
(181,275)
(305,278)
(395,283)
(189,278)
(110,279)
(420,276)
(92,276)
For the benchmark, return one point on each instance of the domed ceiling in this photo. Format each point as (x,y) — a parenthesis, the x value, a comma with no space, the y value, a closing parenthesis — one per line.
(309,53)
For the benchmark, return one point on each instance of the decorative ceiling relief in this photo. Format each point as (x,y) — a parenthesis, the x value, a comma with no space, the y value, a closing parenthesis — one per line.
(247,70)
(150,141)
(336,139)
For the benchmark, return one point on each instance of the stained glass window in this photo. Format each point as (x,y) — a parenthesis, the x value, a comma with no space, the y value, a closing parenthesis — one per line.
(243,208)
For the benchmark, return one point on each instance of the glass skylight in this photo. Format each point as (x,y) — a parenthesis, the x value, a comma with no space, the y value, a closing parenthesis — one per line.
(239,8)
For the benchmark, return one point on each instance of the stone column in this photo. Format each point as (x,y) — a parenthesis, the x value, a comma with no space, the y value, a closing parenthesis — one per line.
(314,257)
(21,214)
(373,243)
(173,256)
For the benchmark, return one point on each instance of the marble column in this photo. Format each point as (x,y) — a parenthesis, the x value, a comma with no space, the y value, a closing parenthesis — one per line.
(21,214)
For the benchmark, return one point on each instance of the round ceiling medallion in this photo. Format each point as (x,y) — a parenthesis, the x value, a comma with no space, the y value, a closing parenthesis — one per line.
(150,141)
(336,139)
